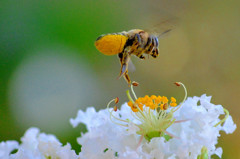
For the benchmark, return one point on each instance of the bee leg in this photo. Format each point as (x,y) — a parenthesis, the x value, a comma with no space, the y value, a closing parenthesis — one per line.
(127,78)
(141,57)
(136,43)
(149,42)
(148,48)
(124,59)
(151,45)
(154,52)
(138,38)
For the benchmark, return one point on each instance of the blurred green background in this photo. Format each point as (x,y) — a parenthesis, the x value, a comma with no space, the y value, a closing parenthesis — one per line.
(49,67)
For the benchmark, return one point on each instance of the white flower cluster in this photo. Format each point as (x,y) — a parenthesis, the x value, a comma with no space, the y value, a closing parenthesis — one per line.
(197,129)
(36,145)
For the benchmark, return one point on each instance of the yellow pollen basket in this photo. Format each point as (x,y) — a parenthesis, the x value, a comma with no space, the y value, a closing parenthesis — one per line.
(152,102)
(111,44)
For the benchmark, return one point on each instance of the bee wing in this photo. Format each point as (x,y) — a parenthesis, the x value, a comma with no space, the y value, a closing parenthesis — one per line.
(164,27)
(164,33)
(131,66)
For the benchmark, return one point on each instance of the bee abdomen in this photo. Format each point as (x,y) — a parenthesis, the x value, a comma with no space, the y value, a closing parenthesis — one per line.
(120,33)
(111,44)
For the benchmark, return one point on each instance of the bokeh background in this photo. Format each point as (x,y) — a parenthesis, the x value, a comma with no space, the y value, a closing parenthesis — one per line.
(49,67)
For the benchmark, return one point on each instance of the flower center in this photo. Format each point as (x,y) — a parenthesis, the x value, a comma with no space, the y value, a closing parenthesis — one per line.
(153,102)
(155,113)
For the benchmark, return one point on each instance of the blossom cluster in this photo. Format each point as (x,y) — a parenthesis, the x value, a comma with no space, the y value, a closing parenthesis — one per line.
(36,145)
(194,134)
(144,128)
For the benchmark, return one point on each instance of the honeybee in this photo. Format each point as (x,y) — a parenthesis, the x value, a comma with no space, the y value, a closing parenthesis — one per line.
(134,42)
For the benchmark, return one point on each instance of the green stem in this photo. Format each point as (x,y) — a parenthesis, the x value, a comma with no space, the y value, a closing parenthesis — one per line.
(133,92)
(185,97)
(224,119)
(111,115)
(129,96)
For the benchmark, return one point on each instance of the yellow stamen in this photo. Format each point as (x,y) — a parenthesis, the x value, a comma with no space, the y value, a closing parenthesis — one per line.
(158,99)
(164,99)
(153,97)
(151,112)
(173,100)
(152,102)
(161,106)
(173,104)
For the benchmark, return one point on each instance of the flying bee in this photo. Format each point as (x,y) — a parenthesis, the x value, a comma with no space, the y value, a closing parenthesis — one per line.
(134,42)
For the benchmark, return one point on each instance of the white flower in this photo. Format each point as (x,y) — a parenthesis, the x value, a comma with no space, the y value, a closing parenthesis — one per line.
(103,135)
(195,127)
(6,148)
(196,132)
(229,127)
(36,145)
(147,128)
